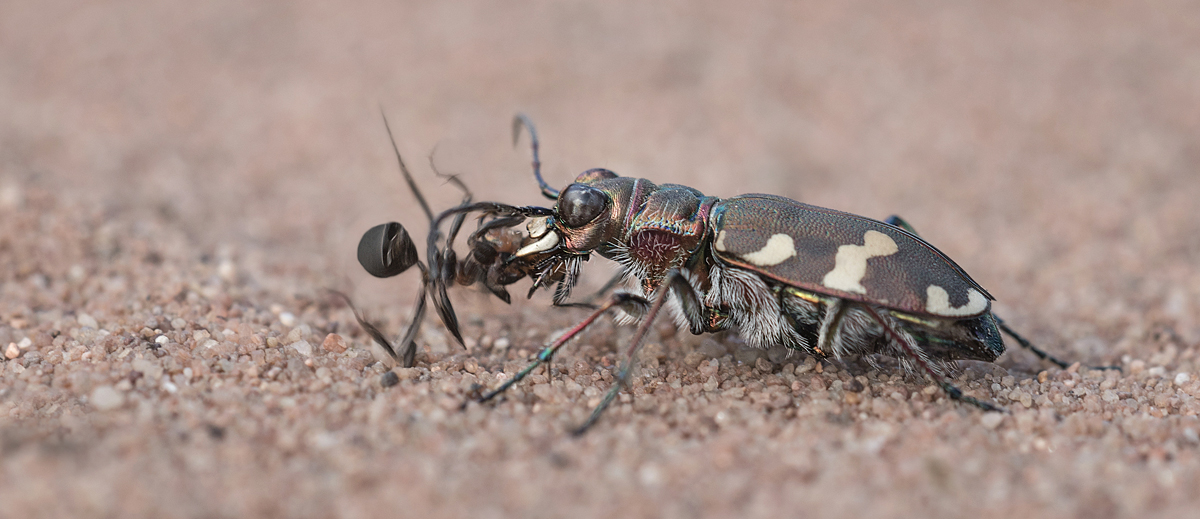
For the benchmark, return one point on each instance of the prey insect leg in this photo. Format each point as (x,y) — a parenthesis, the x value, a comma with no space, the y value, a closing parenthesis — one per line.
(952,391)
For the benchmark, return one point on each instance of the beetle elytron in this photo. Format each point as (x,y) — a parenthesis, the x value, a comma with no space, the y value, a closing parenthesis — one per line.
(828,283)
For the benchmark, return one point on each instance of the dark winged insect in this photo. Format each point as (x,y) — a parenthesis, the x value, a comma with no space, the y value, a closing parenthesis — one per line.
(825,282)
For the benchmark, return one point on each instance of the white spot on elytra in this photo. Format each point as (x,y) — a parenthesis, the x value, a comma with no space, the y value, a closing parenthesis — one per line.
(720,244)
(850,265)
(779,248)
(937,302)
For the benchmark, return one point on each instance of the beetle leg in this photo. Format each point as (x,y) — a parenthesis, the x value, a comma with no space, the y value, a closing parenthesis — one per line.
(674,281)
(586,302)
(831,325)
(952,391)
(1038,351)
(895,220)
(547,353)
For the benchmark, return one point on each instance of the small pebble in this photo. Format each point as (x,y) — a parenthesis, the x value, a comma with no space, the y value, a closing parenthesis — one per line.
(12,351)
(763,365)
(226,270)
(991,420)
(389,379)
(26,343)
(162,340)
(287,319)
(334,343)
(501,343)
(303,347)
(87,320)
(150,369)
(105,398)
(1180,378)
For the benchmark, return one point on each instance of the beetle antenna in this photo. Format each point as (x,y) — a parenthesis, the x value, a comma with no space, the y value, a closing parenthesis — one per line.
(519,121)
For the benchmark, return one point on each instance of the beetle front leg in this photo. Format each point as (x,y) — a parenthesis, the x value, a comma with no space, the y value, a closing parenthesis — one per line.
(623,299)
(587,301)
(675,281)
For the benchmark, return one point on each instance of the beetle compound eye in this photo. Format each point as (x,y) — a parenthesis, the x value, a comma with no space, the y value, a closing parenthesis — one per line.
(386,250)
(580,204)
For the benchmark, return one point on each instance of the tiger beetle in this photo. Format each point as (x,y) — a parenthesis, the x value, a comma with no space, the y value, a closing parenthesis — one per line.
(780,272)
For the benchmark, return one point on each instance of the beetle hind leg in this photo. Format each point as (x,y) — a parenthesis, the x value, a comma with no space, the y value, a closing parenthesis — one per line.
(1041,354)
(916,356)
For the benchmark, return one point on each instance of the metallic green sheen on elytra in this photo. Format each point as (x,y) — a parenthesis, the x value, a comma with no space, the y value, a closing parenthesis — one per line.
(749,231)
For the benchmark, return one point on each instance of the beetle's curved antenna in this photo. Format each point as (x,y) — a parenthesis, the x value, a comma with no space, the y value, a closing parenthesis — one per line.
(519,121)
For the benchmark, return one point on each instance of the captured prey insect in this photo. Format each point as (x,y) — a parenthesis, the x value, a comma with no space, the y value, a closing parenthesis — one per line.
(780,272)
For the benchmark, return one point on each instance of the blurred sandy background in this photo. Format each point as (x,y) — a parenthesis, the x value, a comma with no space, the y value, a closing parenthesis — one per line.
(199,171)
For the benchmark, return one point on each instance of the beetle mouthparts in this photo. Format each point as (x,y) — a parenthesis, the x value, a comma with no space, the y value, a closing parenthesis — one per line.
(549,241)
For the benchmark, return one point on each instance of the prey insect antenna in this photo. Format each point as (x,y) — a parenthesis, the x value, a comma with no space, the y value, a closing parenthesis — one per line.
(521,120)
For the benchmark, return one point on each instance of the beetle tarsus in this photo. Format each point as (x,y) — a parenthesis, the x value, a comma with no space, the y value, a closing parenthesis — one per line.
(1041,354)
(622,379)
(547,353)
(953,392)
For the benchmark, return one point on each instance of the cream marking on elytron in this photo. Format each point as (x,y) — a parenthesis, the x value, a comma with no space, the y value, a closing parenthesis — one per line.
(850,265)
(720,244)
(777,250)
(937,302)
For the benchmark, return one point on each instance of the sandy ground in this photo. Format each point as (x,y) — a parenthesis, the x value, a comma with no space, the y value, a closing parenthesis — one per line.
(179,181)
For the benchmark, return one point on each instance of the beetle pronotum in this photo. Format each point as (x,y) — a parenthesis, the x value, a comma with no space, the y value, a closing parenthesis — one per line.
(829,283)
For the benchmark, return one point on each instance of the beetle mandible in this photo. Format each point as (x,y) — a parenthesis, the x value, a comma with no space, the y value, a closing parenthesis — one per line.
(826,282)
